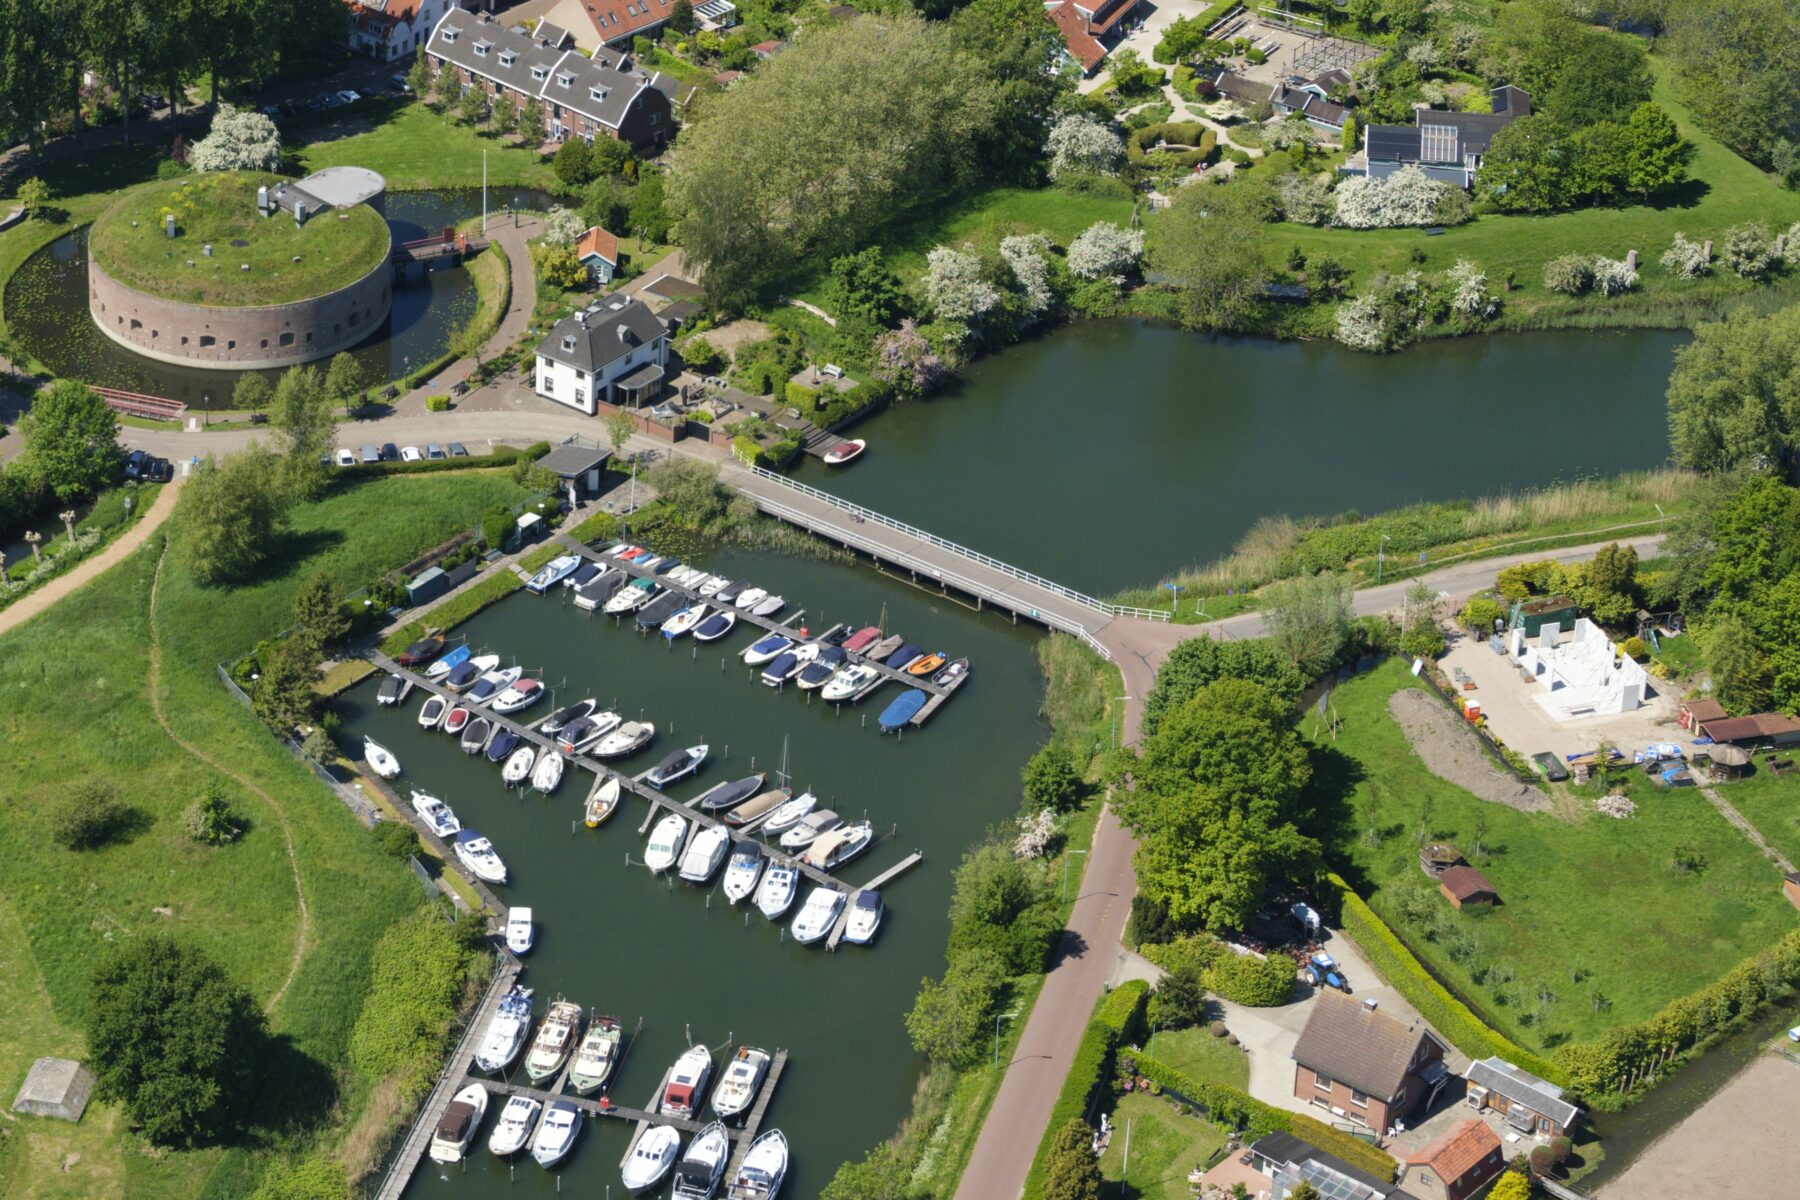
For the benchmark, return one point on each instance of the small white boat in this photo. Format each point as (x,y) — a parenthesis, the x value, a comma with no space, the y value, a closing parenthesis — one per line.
(818,915)
(468,673)
(626,739)
(866,911)
(553,573)
(562,718)
(845,452)
(650,562)
(477,854)
(712,586)
(458,1126)
(490,686)
(788,665)
(687,1083)
(810,827)
(436,814)
(393,690)
(581,733)
(431,713)
(667,838)
(547,776)
(518,766)
(775,895)
(603,801)
(522,694)
(702,1168)
(700,862)
(556,1133)
(677,766)
(763,1170)
(789,814)
(506,1031)
(768,606)
(722,622)
(650,1158)
(596,1056)
(750,598)
(683,622)
(743,1078)
(833,849)
(765,648)
(851,683)
(381,760)
(519,932)
(514,1130)
(743,871)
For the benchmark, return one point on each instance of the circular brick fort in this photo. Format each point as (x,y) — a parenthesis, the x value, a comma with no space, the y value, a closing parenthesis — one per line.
(243,270)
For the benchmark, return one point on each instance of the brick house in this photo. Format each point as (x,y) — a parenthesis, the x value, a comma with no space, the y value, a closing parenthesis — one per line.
(1459,1164)
(1091,28)
(1364,1066)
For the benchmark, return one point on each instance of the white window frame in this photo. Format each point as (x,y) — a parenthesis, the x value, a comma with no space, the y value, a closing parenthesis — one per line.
(1360,1099)
(1323,1082)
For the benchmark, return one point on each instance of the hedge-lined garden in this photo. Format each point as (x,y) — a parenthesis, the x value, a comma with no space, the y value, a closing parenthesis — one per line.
(1118,1014)
(1201,141)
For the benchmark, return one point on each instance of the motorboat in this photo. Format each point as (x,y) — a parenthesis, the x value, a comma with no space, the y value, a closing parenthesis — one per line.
(669,565)
(650,562)
(743,1078)
(659,610)
(519,930)
(436,814)
(764,649)
(768,606)
(583,575)
(716,626)
(743,871)
(702,1168)
(845,452)
(818,915)
(467,673)
(393,690)
(676,767)
(489,686)
(518,767)
(686,1085)
(835,848)
(905,707)
(851,683)
(866,910)
(953,674)
(556,1133)
(700,861)
(562,718)
(628,738)
(478,855)
(750,598)
(820,671)
(729,593)
(688,577)
(788,664)
(667,838)
(908,654)
(713,586)
(501,745)
(547,776)
(881,650)
(553,573)
(554,1042)
(419,651)
(521,695)
(753,808)
(442,664)
(381,760)
(517,1120)
(810,827)
(684,622)
(457,1127)
(763,1170)
(632,597)
(598,590)
(650,1158)
(475,735)
(787,815)
(862,639)
(431,713)
(581,733)
(730,795)
(629,553)
(603,801)
(506,1031)
(927,666)
(457,719)
(596,1056)
(775,894)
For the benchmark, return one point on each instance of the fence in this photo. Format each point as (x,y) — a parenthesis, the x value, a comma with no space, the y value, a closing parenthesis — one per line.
(365,812)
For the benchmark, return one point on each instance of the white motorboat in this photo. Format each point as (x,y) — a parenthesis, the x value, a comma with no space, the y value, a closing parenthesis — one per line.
(616,549)
(506,1031)
(687,577)
(750,598)
(650,1158)
(866,910)
(687,1083)
(631,597)
(444,663)
(818,914)
(712,586)
(851,683)
(556,1133)
(683,622)
(553,573)
(468,673)
(775,894)
(491,685)
(768,606)
(547,776)
(436,814)
(677,766)
(596,1056)
(554,1043)
(628,738)
(562,718)
(381,760)
(702,1168)
(766,648)
(722,622)
(393,690)
(581,733)
(763,1170)
(522,694)
(700,861)
(519,931)
(743,1078)
(431,713)
(789,814)
(810,827)
(514,1130)
(667,838)
(477,854)
(603,801)
(518,766)
(459,1124)
(835,848)
(743,871)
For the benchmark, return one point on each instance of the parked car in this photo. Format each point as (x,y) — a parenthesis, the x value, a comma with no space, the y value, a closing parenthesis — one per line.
(399,82)
(331,100)
(1551,766)
(134,464)
(458,450)
(345,458)
(370,454)
(434,451)
(411,454)
(389,452)
(349,95)
(158,470)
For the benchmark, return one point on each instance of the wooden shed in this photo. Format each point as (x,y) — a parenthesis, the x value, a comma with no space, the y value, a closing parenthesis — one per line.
(1437,857)
(1464,886)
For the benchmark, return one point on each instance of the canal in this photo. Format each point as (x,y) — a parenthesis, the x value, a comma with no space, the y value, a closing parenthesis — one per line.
(616,939)
(1113,452)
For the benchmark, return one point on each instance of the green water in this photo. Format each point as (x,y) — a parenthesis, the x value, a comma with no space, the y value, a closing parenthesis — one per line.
(616,939)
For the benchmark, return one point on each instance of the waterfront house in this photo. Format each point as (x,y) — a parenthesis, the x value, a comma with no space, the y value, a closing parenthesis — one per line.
(1464,886)
(1364,1066)
(1090,29)
(386,30)
(1445,145)
(598,251)
(1457,1165)
(1288,1161)
(614,350)
(1525,1102)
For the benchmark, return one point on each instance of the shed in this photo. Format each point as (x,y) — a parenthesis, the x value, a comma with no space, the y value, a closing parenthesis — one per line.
(461,573)
(1698,711)
(598,252)
(577,465)
(1547,610)
(55,1087)
(530,527)
(427,585)
(1464,886)
(1762,729)
(1437,857)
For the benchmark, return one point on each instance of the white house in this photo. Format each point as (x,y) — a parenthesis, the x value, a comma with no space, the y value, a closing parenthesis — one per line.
(386,30)
(615,350)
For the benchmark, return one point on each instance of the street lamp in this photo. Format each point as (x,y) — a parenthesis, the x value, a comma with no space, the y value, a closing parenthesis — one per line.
(1174,599)
(1659,517)
(1066,855)
(1380,556)
(999,1017)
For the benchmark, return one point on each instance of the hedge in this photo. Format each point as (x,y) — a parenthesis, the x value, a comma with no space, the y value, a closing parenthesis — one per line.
(1120,1010)
(1442,1010)
(497,586)
(1185,133)
(499,456)
(802,397)
(1212,14)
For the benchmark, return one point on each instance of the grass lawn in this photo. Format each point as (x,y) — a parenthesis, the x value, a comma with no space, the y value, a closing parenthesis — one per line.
(84,664)
(1165,1146)
(417,148)
(1199,1055)
(1681,654)
(1590,907)
(1771,804)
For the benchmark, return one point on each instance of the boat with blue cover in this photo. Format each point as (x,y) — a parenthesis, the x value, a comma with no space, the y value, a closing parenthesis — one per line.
(445,663)
(905,707)
(905,656)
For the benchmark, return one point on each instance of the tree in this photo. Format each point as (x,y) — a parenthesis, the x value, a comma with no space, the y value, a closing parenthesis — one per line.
(681,16)
(1103,250)
(1303,1191)
(1609,585)
(283,696)
(649,215)
(209,820)
(253,392)
(344,379)
(1574,71)
(1419,632)
(1052,779)
(303,415)
(1659,154)
(611,156)
(1351,138)
(905,360)
(241,139)
(420,77)
(1071,1172)
(71,441)
(572,164)
(472,105)
(531,120)
(619,428)
(1001,905)
(1018,52)
(319,612)
(1196,662)
(173,1040)
(862,288)
(396,839)
(559,267)
(1180,999)
(951,1018)
(606,202)
(89,816)
(1209,246)
(1737,69)
(1080,145)
(33,196)
(884,1174)
(1511,1186)
(1527,166)
(234,518)
(1309,620)
(506,117)
(1734,395)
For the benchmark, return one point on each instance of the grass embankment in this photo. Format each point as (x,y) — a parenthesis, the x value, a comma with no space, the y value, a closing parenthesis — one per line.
(414,147)
(1596,926)
(85,668)
(1165,1146)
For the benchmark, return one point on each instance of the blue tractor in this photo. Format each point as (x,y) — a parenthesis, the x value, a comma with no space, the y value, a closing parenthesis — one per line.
(1322,969)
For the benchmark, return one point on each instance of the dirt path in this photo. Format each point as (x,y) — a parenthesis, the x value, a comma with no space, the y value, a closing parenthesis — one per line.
(91,568)
(1449,751)
(1742,824)
(287,836)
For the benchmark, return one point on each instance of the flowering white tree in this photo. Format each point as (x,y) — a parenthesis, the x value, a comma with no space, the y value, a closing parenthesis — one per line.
(1387,315)
(1790,243)
(562,226)
(1570,274)
(1424,55)
(1750,250)
(954,288)
(1027,256)
(1360,324)
(1279,133)
(1613,276)
(1305,199)
(1083,145)
(1468,290)
(1407,197)
(241,139)
(1685,259)
(1035,832)
(1103,249)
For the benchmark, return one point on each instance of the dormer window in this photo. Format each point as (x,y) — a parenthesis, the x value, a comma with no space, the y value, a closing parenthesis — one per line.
(508,57)
(539,74)
(449,35)
(597,93)
(482,48)
(564,79)
(568,343)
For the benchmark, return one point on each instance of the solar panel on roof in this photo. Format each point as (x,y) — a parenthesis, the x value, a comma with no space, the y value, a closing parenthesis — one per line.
(1437,143)
(1333,1186)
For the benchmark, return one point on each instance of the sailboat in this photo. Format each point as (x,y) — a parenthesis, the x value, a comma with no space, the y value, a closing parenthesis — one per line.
(603,801)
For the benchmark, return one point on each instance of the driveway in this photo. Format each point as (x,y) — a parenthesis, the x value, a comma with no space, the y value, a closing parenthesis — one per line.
(1154,18)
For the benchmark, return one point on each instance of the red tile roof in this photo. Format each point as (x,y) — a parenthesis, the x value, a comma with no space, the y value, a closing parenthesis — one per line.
(598,241)
(1753,728)
(1465,883)
(1083,46)
(619,20)
(1460,1150)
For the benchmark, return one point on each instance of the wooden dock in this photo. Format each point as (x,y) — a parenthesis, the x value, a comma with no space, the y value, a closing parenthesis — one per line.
(874,885)
(742,1138)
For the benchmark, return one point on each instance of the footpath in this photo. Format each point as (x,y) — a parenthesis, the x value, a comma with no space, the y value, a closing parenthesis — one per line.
(92,568)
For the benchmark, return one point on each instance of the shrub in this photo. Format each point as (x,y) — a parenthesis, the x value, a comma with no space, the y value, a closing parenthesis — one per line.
(315,1178)
(1180,133)
(1570,274)
(210,819)
(1479,614)
(396,839)
(1407,197)
(802,397)
(1635,649)
(1684,259)
(1080,145)
(1388,315)
(437,404)
(1257,982)
(90,816)
(1614,277)
(1104,250)
(417,974)
(1217,1029)
(1052,779)
(1122,1010)
(1750,251)
(1352,1150)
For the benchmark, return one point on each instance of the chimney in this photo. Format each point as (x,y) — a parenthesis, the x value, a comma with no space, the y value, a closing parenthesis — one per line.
(299,213)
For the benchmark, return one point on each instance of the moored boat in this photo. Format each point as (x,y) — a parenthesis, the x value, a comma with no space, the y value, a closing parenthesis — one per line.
(652,615)
(381,760)
(775,894)
(597,591)
(821,670)
(562,718)
(862,639)
(475,735)
(547,776)
(581,733)
(456,720)
(730,592)
(766,648)
(596,1056)
(459,1124)
(851,683)
(467,673)
(583,575)
(628,738)
(713,586)
(906,706)
(788,664)
(905,656)
(650,1157)
(519,930)
(443,663)
(684,622)
(393,691)
(687,1083)
(506,1032)
(517,1120)
(756,806)
(676,767)
(927,665)
(768,606)
(518,766)
(750,598)
(743,871)
(953,674)
(763,1170)
(631,597)
(668,837)
(832,850)
(436,814)
(554,1042)
(501,745)
(810,827)
(700,861)
(603,801)
(845,452)
(490,685)
(698,1174)
(553,573)
(731,793)
(419,651)
(520,695)
(817,915)
(556,1133)
(478,855)
(431,713)
(716,626)
(787,814)
(742,1079)
(866,910)
(881,650)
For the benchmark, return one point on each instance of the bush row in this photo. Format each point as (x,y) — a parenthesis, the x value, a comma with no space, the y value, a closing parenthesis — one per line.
(1122,1010)
(1184,133)
(1119,1010)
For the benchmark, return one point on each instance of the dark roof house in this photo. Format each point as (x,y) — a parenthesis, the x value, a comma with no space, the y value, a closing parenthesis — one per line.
(1312,99)
(1445,145)
(1289,1161)
(1366,1049)
(596,337)
(1527,1101)
(1776,729)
